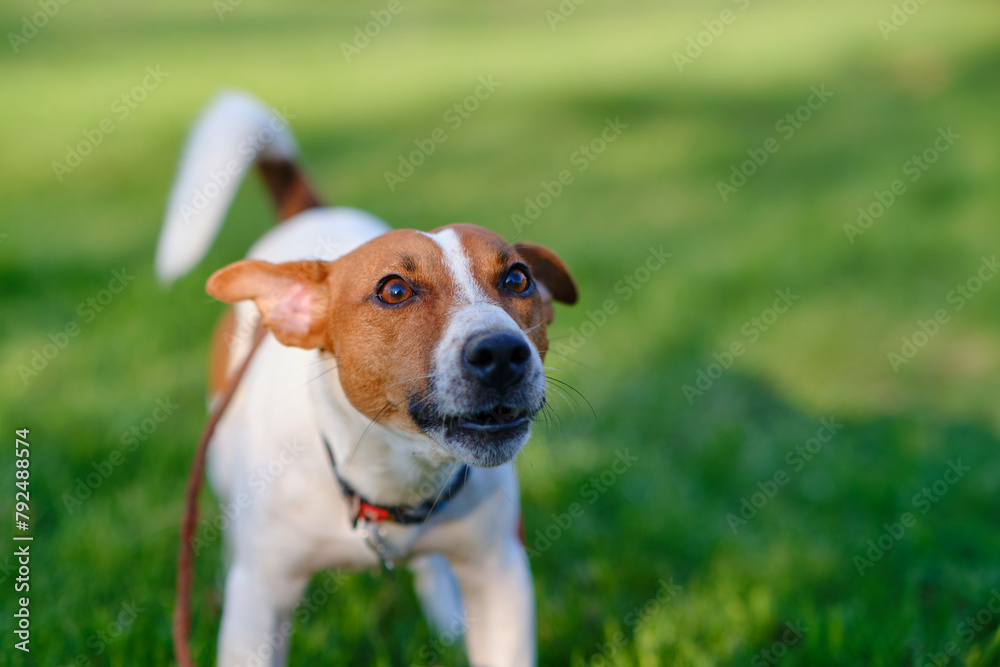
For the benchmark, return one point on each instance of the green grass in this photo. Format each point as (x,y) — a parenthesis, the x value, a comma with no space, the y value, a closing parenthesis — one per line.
(665,517)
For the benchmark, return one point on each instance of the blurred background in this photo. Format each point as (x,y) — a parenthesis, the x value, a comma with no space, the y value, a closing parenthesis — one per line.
(783,220)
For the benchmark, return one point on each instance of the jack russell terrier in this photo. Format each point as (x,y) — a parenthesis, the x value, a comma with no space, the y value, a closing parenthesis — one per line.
(379,419)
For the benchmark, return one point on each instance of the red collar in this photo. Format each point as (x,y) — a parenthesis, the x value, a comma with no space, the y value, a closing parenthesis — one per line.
(362,508)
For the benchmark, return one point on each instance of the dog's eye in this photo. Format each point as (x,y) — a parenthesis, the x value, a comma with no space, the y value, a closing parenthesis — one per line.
(394,290)
(517,281)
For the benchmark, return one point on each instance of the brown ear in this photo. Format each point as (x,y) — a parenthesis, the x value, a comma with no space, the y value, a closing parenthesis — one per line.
(293,298)
(549,270)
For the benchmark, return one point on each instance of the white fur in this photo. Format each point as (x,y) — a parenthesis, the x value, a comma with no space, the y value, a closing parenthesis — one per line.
(457,261)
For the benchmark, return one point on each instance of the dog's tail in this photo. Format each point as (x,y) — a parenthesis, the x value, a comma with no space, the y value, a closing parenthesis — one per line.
(235,132)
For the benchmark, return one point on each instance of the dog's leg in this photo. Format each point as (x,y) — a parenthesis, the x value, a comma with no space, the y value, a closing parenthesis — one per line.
(256,617)
(500,607)
(438,592)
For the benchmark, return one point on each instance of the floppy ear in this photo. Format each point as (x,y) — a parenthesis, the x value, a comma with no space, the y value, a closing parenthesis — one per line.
(549,270)
(293,298)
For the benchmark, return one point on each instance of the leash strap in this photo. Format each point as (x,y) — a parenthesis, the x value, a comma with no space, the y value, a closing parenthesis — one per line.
(185,556)
(362,508)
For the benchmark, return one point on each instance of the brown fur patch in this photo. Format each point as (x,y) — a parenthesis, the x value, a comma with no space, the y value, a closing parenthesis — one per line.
(384,353)
(289,189)
(218,359)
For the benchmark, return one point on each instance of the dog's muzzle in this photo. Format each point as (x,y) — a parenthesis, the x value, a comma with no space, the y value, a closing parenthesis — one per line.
(480,402)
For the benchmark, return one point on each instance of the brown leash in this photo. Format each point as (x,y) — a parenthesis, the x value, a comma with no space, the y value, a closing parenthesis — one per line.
(185,555)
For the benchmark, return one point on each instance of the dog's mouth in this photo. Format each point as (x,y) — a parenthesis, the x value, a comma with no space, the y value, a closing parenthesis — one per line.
(495,420)
(483,437)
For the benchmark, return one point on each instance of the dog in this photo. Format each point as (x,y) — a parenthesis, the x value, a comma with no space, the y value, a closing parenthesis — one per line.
(378,422)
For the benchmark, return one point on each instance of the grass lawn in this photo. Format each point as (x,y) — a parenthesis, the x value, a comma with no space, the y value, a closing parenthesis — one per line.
(801,399)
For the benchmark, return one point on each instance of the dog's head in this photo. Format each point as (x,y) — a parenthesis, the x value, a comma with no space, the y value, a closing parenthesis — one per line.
(441,333)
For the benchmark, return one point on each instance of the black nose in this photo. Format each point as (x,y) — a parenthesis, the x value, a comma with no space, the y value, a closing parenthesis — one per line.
(497,360)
